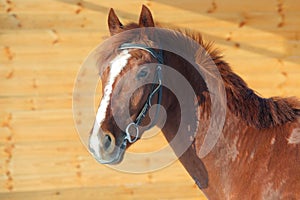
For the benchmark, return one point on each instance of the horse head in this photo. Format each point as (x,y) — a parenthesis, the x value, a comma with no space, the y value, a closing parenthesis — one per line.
(126,87)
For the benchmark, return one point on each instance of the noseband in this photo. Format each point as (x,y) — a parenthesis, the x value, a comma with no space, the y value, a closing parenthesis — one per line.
(156,88)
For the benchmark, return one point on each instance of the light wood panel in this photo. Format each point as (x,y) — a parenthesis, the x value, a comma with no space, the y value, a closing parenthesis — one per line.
(43,45)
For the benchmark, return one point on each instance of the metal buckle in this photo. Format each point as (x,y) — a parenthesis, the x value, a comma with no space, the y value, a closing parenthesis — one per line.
(128,135)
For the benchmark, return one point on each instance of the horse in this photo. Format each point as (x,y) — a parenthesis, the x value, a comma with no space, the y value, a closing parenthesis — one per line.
(258,153)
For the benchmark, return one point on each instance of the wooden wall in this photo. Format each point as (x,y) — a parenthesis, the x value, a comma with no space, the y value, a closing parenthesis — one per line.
(42,46)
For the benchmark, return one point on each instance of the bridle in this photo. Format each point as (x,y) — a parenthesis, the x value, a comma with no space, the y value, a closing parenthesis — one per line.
(156,88)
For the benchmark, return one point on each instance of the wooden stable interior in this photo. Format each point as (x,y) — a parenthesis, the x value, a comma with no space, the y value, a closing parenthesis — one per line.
(44,43)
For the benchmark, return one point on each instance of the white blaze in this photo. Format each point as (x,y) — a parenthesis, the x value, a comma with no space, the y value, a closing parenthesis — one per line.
(116,66)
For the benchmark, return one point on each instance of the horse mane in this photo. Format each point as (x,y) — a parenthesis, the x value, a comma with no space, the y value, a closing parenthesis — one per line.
(242,101)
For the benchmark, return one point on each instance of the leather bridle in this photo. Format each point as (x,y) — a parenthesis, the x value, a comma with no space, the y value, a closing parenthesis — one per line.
(156,88)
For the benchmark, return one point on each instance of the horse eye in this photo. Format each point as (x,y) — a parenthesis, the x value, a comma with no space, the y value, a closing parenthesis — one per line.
(142,73)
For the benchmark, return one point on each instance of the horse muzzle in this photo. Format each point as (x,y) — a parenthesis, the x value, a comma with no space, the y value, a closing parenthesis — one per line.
(106,150)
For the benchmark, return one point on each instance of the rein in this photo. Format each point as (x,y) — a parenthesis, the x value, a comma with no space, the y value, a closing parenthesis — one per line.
(156,88)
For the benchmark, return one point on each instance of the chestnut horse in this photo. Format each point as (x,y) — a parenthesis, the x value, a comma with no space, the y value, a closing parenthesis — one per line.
(258,154)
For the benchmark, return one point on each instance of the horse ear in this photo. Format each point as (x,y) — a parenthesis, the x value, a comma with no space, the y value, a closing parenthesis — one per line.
(114,23)
(146,19)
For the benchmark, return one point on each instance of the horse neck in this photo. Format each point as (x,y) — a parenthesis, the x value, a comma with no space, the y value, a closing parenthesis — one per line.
(214,168)
(252,125)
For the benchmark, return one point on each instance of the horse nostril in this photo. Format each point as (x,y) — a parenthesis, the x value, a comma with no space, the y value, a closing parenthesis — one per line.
(107,142)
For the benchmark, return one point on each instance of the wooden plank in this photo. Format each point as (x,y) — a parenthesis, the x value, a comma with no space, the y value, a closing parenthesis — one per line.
(56,39)
(90,20)
(206,6)
(40,123)
(135,191)
(38,102)
(52,39)
(68,7)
